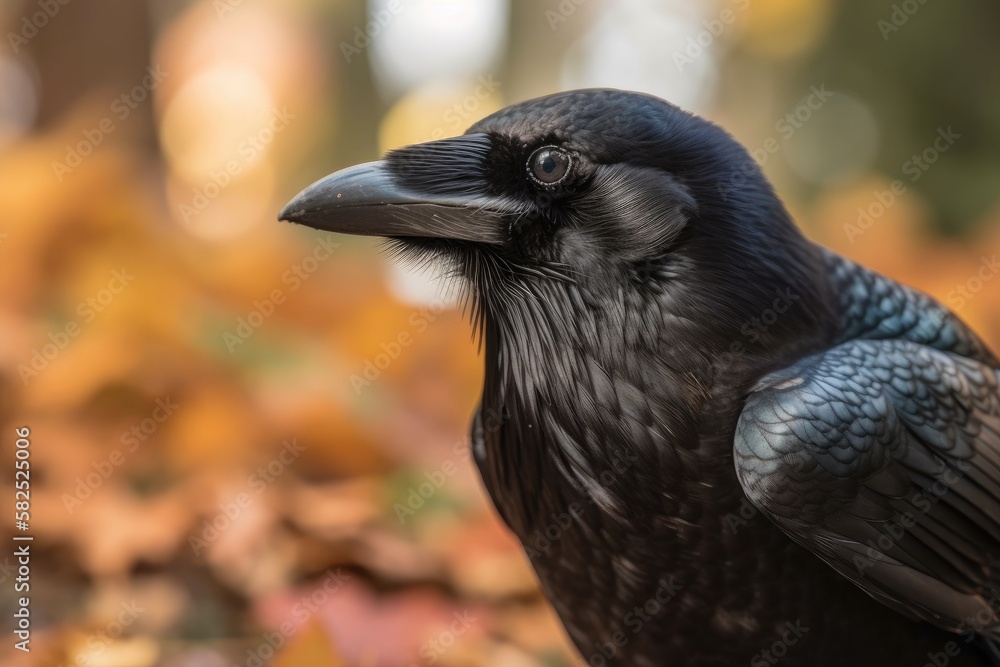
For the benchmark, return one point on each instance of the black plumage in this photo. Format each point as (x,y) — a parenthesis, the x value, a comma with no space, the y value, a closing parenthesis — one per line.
(718,442)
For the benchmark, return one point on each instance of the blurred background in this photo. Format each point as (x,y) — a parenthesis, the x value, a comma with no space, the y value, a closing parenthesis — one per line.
(248,438)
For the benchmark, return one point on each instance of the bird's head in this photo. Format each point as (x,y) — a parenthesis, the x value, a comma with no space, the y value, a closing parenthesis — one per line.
(603,191)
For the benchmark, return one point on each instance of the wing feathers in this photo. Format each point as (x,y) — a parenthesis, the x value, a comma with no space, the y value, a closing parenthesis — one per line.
(885,460)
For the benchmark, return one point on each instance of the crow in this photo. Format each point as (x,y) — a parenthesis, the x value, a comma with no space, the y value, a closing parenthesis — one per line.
(718,442)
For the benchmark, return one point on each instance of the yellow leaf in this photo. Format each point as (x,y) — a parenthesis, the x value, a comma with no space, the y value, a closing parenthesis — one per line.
(309,646)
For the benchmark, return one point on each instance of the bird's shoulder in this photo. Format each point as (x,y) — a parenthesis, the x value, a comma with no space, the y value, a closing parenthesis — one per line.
(875,307)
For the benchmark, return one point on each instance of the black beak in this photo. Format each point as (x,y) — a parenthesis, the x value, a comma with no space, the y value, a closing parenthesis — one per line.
(386,198)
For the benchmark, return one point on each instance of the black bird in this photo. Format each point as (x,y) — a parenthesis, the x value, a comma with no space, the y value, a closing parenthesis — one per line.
(718,442)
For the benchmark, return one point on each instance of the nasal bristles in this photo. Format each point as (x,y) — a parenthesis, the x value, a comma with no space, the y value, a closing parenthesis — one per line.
(456,165)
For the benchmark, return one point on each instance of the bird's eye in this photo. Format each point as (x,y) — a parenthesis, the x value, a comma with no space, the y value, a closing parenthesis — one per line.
(549,165)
